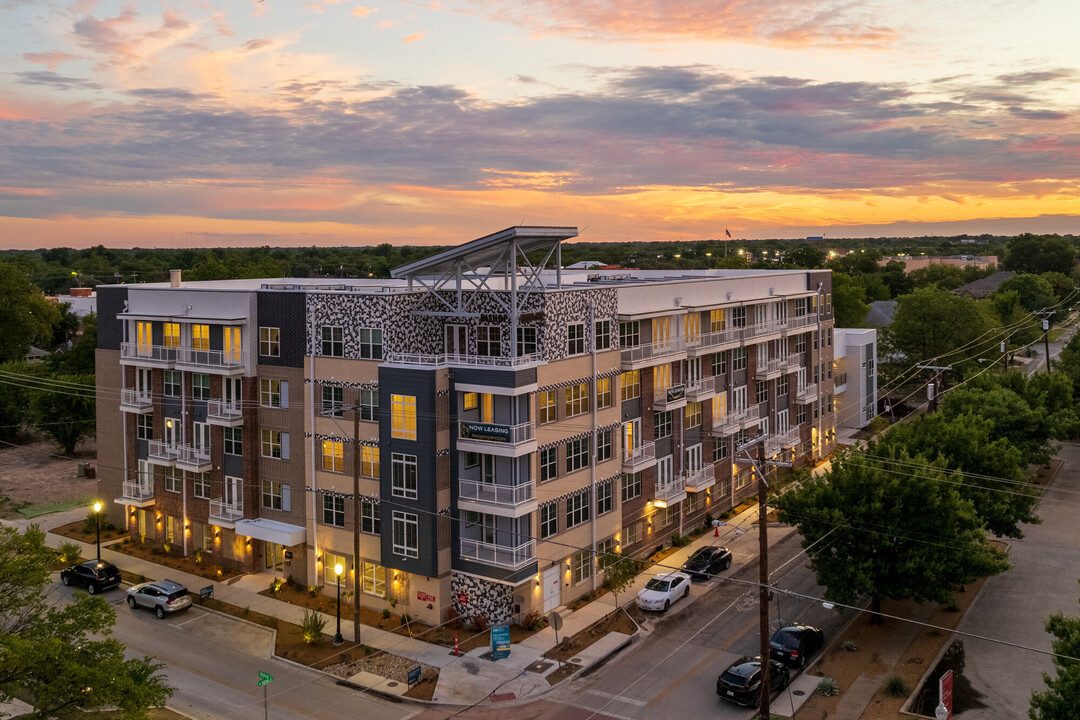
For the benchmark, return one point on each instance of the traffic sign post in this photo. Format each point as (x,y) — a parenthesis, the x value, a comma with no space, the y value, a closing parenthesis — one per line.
(265,679)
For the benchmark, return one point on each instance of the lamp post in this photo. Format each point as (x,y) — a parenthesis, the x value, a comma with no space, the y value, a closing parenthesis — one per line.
(941,712)
(338,569)
(97,526)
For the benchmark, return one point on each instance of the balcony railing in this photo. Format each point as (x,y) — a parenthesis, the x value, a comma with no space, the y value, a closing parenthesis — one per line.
(494,494)
(223,412)
(800,322)
(226,512)
(733,419)
(794,361)
(502,556)
(136,492)
(663,348)
(140,354)
(701,388)
(139,401)
(721,337)
(700,479)
(764,328)
(670,493)
(193,458)
(210,359)
(638,458)
(772,365)
(807,393)
(161,453)
(495,434)
(670,398)
(443,360)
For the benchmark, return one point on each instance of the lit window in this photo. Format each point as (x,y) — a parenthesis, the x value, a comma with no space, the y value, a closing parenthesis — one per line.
(200,337)
(403,417)
(333,458)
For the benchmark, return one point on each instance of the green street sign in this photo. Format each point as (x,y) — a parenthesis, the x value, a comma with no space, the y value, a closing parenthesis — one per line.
(265,678)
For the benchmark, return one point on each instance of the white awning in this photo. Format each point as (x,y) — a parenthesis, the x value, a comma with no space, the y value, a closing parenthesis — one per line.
(271,531)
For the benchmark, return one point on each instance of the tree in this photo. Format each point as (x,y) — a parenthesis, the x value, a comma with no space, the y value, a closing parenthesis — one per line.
(61,655)
(28,317)
(946,277)
(619,572)
(15,395)
(66,411)
(897,280)
(931,322)
(872,531)
(80,359)
(849,302)
(804,256)
(1037,254)
(1061,700)
(1035,292)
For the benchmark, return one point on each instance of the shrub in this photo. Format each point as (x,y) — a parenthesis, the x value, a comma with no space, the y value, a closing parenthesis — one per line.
(166,547)
(849,646)
(709,520)
(275,586)
(827,687)
(69,553)
(405,619)
(533,620)
(247,611)
(157,550)
(678,540)
(199,556)
(453,619)
(139,579)
(895,687)
(90,524)
(272,622)
(312,626)
(386,613)
(479,622)
(313,591)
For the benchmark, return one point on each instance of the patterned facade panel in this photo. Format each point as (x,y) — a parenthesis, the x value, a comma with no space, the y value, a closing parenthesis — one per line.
(393,314)
(473,596)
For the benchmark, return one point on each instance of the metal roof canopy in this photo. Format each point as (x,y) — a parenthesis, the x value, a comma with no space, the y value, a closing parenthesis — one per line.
(471,266)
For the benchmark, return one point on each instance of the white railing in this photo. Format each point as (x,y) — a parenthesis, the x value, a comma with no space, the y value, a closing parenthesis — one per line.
(442,359)
(772,365)
(501,555)
(640,454)
(223,359)
(779,441)
(794,360)
(515,434)
(701,386)
(509,495)
(800,322)
(157,450)
(806,393)
(764,328)
(733,418)
(154,354)
(670,491)
(653,350)
(223,410)
(138,491)
(132,398)
(700,479)
(192,456)
(228,511)
(721,337)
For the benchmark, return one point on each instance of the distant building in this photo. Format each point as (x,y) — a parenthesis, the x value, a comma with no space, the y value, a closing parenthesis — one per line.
(984,287)
(82,301)
(917,263)
(881,313)
(855,376)
(35,355)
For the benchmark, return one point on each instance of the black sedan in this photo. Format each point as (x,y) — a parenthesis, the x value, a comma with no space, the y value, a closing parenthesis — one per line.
(795,644)
(741,682)
(707,561)
(94,575)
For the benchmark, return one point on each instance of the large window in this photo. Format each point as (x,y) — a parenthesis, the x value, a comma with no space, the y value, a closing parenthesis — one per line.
(549,519)
(403,416)
(738,317)
(719,363)
(716,320)
(330,560)
(719,448)
(488,341)
(546,411)
(275,444)
(333,341)
(272,495)
(406,534)
(333,510)
(374,579)
(200,484)
(371,343)
(172,479)
(738,359)
(662,378)
(581,565)
(604,497)
(663,422)
(604,397)
(761,392)
(333,456)
(577,454)
(603,334)
(200,337)
(145,427)
(549,464)
(369,517)
(369,461)
(172,383)
(270,341)
(270,393)
(333,401)
(404,475)
(630,385)
(631,486)
(575,339)
(577,399)
(171,334)
(526,341)
(629,334)
(234,441)
(200,386)
(693,414)
(369,404)
(603,445)
(577,508)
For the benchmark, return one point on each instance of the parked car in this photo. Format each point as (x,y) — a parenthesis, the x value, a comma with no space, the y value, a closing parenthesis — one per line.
(794,644)
(707,561)
(94,575)
(741,682)
(161,596)
(662,590)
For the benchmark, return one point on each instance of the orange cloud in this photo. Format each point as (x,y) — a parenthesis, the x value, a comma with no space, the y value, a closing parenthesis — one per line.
(415,37)
(361,11)
(51,60)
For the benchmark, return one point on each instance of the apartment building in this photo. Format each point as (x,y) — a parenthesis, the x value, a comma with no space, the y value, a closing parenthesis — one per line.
(855,379)
(469,434)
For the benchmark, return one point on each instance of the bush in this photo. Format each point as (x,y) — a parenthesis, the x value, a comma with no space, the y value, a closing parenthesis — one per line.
(849,646)
(271,622)
(895,687)
(312,626)
(386,613)
(405,619)
(275,586)
(678,540)
(199,552)
(479,622)
(69,553)
(90,524)
(453,619)
(533,620)
(313,591)
(827,687)
(167,547)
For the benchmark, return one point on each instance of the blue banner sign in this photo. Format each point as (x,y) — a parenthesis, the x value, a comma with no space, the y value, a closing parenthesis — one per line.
(485,431)
(414,675)
(676,393)
(500,642)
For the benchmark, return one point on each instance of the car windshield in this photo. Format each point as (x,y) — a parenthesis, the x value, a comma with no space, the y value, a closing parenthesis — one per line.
(701,555)
(658,584)
(178,594)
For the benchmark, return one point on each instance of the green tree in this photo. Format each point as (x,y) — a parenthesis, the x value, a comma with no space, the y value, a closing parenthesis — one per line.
(871,531)
(946,277)
(66,410)
(849,302)
(15,395)
(28,317)
(80,359)
(897,280)
(619,572)
(1035,292)
(804,256)
(931,322)
(1061,700)
(1037,254)
(61,655)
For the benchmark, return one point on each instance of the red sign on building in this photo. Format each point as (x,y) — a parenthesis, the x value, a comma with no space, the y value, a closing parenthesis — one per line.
(462,598)
(424,597)
(945,692)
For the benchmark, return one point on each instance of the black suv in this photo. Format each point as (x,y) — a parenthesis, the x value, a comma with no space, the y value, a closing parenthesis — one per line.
(94,575)
(741,682)
(707,561)
(795,644)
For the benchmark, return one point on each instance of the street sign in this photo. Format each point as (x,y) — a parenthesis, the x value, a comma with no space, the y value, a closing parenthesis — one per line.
(500,642)
(265,678)
(555,620)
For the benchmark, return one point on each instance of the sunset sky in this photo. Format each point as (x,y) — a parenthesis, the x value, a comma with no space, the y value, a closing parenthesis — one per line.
(360,122)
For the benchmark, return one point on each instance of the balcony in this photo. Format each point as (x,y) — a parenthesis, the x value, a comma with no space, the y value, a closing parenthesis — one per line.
(225,514)
(784,441)
(639,458)
(437,360)
(670,493)
(147,355)
(700,479)
(494,439)
(764,329)
(794,361)
(771,368)
(137,493)
(671,398)
(495,499)
(755,414)
(224,413)
(798,323)
(222,362)
(136,401)
(641,356)
(192,459)
(712,341)
(732,422)
(160,453)
(839,379)
(504,556)
(703,388)
(806,394)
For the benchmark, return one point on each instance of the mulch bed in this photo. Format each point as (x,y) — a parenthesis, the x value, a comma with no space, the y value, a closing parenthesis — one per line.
(570,647)
(146,551)
(75,531)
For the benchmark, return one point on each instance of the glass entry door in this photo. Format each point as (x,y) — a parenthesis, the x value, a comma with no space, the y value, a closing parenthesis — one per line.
(273,556)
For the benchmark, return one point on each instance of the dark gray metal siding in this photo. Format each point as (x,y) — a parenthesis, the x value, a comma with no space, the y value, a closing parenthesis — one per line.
(285,311)
(110,302)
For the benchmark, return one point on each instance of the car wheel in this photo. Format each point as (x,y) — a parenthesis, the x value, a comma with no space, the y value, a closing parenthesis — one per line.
(92,589)
(160,612)
(687,592)
(66,579)
(801,662)
(756,702)
(131,602)
(727,563)
(667,604)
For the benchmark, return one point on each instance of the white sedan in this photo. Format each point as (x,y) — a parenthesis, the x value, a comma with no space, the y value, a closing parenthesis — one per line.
(662,590)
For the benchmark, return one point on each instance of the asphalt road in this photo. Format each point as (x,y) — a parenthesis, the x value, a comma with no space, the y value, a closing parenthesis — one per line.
(214,663)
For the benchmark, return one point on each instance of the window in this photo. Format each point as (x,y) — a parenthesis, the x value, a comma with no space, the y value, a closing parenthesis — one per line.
(761,392)
(693,326)
(604,497)
(270,341)
(371,343)
(577,399)
(575,339)
(333,457)
(333,401)
(546,403)
(271,495)
(200,386)
(333,510)
(472,460)
(172,479)
(667,515)
(631,534)
(800,414)
(738,317)
(828,336)
(662,377)
(581,565)
(629,334)
(603,393)
(406,535)
(694,502)
(488,341)
(742,478)
(549,464)
(603,445)
(870,368)
(577,454)
(716,320)
(577,508)
(369,404)
(630,385)
(145,333)
(693,414)
(269,393)
(403,475)
(369,461)
(719,448)
(801,305)
(403,416)
(738,359)
(829,406)
(602,339)
(661,329)
(549,519)
(605,547)
(663,424)
(800,343)
(333,341)
(172,383)
(274,443)
(145,427)
(234,441)
(200,337)
(471,401)
(631,486)
(783,385)
(526,341)
(369,517)
(374,579)
(200,483)
(330,561)
(719,363)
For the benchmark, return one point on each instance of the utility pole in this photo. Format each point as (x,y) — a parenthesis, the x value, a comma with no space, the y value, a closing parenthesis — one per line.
(356,524)
(936,385)
(763,585)
(1045,314)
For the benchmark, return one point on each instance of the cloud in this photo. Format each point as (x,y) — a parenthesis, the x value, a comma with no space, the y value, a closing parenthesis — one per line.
(51,60)
(360,11)
(125,39)
(414,38)
(256,44)
(54,80)
(167,94)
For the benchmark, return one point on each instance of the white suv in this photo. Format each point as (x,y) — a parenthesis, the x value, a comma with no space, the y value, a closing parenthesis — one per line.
(163,596)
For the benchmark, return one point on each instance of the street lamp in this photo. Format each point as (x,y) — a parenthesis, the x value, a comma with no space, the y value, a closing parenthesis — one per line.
(941,712)
(338,569)
(97,526)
